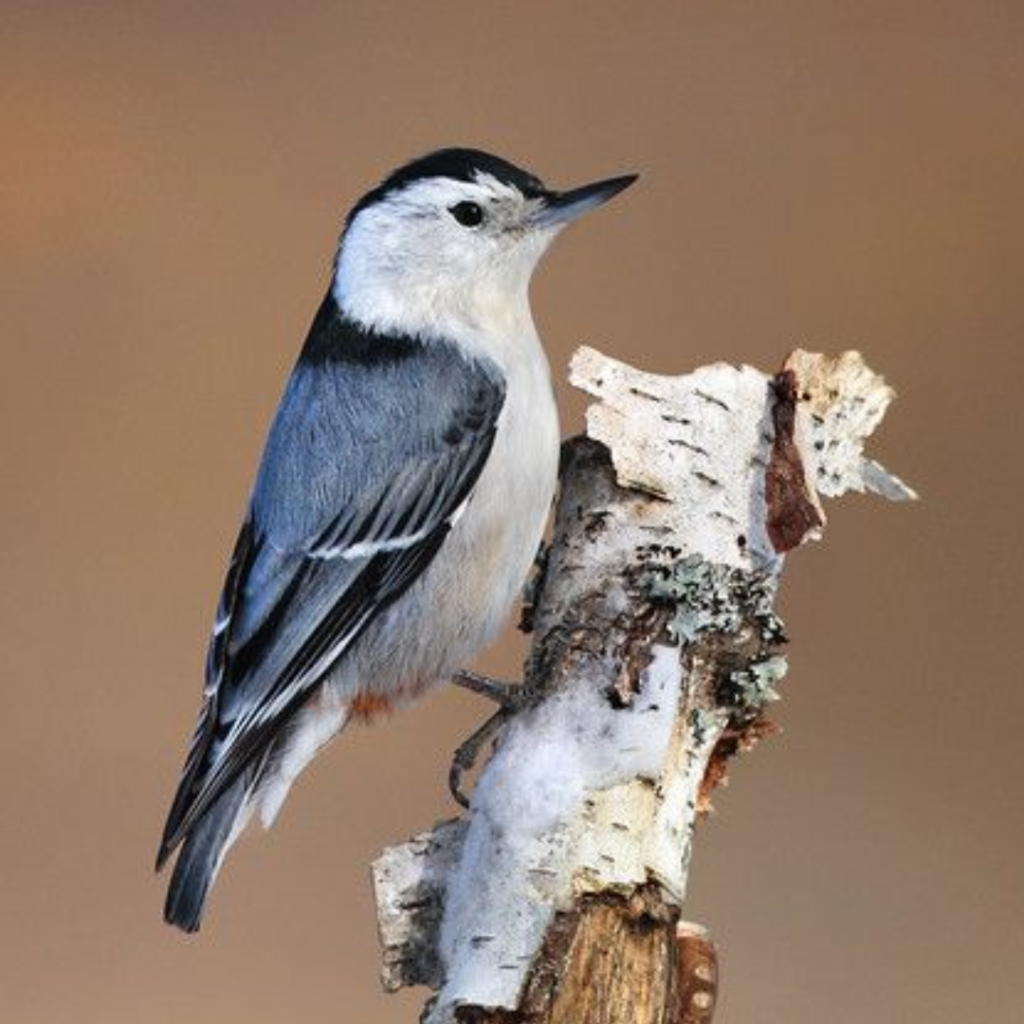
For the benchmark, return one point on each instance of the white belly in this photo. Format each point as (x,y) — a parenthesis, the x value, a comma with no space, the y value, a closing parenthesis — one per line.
(463,600)
(494,545)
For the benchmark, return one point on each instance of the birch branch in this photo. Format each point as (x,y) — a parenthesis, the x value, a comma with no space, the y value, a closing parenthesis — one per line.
(655,654)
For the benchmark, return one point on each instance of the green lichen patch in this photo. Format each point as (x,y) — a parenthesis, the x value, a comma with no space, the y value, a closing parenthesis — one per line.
(752,687)
(707,597)
(730,612)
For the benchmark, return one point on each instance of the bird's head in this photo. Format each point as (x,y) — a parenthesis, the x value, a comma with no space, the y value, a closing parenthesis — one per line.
(450,240)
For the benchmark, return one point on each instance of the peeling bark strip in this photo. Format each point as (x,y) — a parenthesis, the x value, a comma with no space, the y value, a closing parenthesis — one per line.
(794,513)
(655,653)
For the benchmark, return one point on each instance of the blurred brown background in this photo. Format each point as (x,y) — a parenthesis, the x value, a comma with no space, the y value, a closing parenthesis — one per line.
(829,174)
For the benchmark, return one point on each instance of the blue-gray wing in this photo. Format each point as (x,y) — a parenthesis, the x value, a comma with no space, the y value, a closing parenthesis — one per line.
(375,448)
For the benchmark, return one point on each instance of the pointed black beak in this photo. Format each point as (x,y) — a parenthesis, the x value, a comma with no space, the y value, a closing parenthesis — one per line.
(561,207)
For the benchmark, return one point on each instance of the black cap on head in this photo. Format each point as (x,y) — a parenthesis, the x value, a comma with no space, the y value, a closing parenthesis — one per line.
(460,164)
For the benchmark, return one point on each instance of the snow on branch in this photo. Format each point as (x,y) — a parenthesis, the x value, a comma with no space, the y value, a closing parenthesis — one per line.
(656,651)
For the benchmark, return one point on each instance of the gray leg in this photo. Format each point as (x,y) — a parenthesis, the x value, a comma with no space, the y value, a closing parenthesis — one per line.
(510,698)
(468,752)
(505,695)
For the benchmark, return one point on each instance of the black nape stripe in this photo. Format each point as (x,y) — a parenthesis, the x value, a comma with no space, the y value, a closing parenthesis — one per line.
(459,164)
(334,338)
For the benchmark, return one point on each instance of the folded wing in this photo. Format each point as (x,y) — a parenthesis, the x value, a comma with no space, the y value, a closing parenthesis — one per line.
(374,451)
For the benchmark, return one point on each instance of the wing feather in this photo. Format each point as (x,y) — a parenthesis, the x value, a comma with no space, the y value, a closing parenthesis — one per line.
(373,454)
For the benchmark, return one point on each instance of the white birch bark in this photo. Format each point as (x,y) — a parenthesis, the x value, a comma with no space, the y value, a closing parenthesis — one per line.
(655,653)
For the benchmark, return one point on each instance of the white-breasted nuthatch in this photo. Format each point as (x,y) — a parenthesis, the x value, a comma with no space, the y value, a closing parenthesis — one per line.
(401,497)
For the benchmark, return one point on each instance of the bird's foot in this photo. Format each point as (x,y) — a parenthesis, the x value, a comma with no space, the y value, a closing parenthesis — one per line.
(465,757)
(510,698)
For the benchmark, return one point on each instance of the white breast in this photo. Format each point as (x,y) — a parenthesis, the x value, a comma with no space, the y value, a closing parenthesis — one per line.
(504,524)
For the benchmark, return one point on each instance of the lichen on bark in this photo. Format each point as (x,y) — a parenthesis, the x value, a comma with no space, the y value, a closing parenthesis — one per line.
(655,653)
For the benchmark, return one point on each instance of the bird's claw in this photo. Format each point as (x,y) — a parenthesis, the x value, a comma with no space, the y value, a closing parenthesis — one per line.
(465,757)
(510,698)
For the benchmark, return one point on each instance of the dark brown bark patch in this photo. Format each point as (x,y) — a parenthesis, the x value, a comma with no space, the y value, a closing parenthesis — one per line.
(792,513)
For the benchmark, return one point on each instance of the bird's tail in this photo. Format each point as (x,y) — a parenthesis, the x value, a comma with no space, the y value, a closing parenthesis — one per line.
(201,855)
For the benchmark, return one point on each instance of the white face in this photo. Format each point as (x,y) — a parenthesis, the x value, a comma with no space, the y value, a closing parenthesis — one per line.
(442,255)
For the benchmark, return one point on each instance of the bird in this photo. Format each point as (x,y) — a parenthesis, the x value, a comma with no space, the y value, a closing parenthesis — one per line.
(401,497)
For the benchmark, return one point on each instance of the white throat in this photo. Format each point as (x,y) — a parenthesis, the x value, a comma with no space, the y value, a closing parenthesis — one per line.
(389,298)
(405,266)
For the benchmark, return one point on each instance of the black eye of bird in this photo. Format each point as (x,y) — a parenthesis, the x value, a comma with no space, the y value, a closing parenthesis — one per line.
(469,215)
